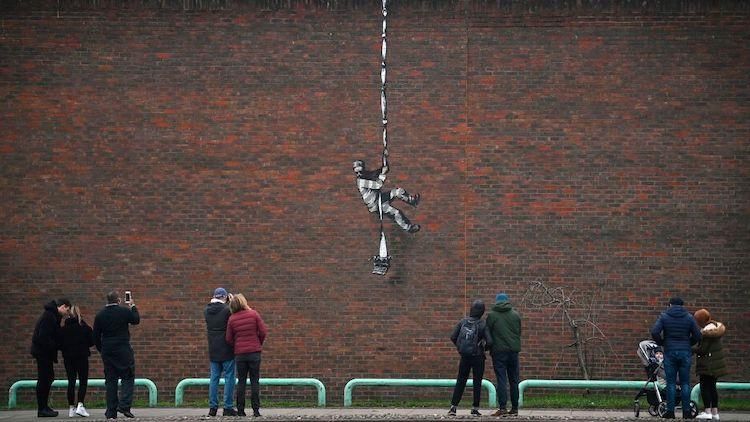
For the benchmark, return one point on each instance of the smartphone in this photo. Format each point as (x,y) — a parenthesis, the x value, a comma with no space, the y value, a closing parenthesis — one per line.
(128,296)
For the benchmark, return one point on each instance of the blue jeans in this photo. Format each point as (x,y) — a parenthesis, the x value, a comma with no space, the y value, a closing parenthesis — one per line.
(677,363)
(217,368)
(507,372)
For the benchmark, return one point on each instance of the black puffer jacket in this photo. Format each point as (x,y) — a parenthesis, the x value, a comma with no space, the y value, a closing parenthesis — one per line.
(217,315)
(484,338)
(46,339)
(76,340)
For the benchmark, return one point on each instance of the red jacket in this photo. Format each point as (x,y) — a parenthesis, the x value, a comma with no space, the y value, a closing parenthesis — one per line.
(246,332)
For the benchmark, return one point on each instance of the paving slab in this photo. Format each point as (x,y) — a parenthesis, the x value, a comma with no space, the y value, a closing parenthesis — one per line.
(355,414)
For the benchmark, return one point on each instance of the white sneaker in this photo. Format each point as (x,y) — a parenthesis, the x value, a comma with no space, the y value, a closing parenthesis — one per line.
(704,415)
(80,410)
(72,412)
(716,417)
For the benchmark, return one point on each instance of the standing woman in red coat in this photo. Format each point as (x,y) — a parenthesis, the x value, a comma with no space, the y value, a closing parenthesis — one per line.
(246,333)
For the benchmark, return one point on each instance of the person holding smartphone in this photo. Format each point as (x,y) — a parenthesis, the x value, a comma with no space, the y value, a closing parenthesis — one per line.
(220,353)
(112,340)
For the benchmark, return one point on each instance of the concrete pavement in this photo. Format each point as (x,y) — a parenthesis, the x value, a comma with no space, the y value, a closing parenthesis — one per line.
(354,414)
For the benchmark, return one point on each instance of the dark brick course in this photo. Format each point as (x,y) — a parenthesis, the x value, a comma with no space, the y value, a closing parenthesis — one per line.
(172,147)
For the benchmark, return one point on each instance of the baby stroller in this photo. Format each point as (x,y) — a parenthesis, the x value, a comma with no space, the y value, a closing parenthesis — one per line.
(652,356)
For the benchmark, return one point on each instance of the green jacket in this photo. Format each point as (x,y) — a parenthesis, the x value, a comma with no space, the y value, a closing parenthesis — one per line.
(505,328)
(709,354)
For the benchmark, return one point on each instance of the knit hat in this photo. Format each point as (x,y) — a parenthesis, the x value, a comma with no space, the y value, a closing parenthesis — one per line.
(501,297)
(676,301)
(702,316)
(220,293)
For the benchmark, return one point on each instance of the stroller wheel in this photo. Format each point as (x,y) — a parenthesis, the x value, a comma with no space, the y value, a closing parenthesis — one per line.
(653,411)
(662,409)
(637,408)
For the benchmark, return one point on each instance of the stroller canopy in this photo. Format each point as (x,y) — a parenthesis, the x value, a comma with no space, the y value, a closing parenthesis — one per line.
(647,352)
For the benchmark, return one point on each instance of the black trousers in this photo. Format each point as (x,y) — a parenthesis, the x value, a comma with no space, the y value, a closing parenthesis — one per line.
(708,391)
(248,365)
(77,368)
(45,370)
(475,364)
(123,400)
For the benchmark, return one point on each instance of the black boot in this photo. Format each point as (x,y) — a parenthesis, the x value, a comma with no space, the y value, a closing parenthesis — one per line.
(126,413)
(47,413)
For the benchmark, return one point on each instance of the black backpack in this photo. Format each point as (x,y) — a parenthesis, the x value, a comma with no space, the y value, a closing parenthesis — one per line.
(468,337)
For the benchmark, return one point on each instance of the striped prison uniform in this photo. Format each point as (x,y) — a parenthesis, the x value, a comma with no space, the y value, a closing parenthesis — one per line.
(369,184)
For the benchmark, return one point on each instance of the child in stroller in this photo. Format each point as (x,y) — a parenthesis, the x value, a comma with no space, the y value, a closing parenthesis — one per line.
(652,357)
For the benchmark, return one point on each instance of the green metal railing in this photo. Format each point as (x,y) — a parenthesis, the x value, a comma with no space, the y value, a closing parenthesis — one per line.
(398,382)
(695,393)
(142,382)
(597,384)
(179,391)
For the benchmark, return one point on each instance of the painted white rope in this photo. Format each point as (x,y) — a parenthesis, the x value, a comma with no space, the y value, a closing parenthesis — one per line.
(383,102)
(383,252)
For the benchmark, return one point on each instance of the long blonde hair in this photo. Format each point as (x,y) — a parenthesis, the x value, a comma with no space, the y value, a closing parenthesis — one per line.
(238,303)
(75,312)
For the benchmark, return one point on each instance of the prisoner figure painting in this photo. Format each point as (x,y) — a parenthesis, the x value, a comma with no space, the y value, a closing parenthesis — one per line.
(370,183)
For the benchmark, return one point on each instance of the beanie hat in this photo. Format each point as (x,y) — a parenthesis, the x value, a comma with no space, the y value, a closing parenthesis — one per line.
(676,301)
(220,293)
(702,317)
(501,297)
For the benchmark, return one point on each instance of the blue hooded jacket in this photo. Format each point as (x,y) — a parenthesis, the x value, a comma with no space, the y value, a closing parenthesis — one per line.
(676,330)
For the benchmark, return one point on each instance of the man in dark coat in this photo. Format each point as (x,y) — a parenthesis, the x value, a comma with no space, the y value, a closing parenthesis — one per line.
(676,331)
(112,340)
(504,324)
(220,353)
(44,345)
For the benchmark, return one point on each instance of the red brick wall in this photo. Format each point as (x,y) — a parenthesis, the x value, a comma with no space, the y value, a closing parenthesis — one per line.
(171,151)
